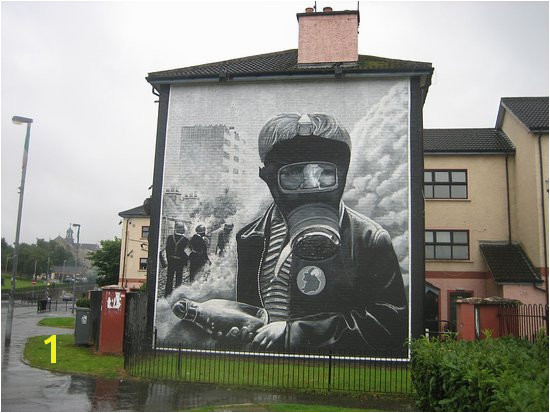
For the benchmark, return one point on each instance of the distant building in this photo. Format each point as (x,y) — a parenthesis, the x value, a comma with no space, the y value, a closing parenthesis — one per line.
(486,208)
(69,244)
(61,272)
(134,248)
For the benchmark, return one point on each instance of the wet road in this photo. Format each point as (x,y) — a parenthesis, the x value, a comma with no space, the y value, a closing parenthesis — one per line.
(26,388)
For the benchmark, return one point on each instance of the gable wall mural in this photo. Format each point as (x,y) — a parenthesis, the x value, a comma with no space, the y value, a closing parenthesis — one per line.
(285,217)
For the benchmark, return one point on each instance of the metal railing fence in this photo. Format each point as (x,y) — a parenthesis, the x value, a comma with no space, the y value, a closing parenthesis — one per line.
(523,321)
(310,369)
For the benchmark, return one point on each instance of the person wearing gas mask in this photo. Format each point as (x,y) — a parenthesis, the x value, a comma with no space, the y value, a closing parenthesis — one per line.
(176,256)
(327,276)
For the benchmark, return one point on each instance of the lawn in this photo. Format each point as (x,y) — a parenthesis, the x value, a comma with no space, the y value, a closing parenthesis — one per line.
(63,322)
(278,407)
(19,282)
(71,358)
(279,373)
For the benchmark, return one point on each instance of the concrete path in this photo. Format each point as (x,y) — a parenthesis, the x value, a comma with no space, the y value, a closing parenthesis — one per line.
(26,388)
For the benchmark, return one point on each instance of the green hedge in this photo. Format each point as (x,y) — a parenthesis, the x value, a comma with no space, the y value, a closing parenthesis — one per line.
(503,374)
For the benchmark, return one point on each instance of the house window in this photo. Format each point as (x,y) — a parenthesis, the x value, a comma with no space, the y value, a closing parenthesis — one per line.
(235,171)
(145,231)
(445,184)
(143,264)
(226,155)
(237,137)
(236,158)
(227,142)
(225,168)
(447,245)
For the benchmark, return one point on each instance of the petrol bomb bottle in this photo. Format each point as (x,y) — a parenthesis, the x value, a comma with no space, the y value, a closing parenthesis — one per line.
(218,316)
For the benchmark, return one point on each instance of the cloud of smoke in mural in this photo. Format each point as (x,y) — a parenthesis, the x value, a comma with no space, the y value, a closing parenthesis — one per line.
(379,172)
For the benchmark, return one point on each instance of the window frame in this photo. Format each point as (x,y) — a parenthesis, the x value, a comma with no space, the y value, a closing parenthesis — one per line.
(141,261)
(148,229)
(449,183)
(450,244)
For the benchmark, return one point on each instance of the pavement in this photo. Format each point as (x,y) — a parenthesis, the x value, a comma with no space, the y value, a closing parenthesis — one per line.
(25,388)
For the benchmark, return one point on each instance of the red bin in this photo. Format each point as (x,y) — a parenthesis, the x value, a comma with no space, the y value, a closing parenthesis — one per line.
(111,330)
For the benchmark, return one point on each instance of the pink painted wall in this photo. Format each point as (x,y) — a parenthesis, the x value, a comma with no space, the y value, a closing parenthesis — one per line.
(326,37)
(478,286)
(525,293)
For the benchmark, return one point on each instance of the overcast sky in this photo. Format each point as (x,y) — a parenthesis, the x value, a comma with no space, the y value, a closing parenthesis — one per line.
(78,70)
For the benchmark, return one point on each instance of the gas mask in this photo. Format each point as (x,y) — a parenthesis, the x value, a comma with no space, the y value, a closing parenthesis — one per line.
(313,226)
(306,160)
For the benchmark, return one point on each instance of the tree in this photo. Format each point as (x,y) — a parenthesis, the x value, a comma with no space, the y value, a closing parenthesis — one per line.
(107,261)
(38,253)
(7,254)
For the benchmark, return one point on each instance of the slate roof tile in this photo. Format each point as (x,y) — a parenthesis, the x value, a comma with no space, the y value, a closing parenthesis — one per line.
(286,62)
(508,263)
(484,140)
(531,111)
(138,211)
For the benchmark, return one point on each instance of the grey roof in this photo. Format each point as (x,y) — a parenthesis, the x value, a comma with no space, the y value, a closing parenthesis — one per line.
(286,63)
(136,212)
(479,140)
(531,111)
(508,263)
(69,269)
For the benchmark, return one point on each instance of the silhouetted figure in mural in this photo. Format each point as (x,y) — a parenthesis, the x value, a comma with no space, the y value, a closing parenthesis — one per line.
(223,239)
(198,257)
(327,276)
(176,256)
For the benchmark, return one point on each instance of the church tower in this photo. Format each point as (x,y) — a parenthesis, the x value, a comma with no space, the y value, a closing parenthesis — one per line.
(69,236)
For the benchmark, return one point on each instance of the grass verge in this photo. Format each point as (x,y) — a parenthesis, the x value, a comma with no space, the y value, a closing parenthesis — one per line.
(71,358)
(19,283)
(63,322)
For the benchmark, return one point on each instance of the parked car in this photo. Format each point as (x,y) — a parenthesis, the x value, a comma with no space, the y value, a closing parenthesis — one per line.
(67,297)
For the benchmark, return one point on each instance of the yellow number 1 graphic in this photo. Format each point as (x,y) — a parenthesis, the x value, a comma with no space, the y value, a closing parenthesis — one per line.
(52,341)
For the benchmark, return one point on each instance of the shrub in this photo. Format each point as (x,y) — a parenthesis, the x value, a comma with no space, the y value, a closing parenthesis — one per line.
(503,374)
(83,302)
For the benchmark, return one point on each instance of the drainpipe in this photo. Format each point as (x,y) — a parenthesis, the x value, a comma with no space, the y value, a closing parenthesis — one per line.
(541,169)
(508,202)
(125,249)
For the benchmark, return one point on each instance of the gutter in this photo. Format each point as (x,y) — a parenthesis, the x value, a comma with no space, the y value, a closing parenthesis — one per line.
(286,76)
(436,153)
(125,255)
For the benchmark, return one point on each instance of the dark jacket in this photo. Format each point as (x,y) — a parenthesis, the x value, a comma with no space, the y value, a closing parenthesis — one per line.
(362,309)
(175,249)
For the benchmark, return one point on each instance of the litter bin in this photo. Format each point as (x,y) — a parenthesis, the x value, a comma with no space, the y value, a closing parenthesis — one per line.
(82,327)
(42,305)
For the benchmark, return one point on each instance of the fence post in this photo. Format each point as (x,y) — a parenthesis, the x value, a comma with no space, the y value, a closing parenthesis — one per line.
(179,360)
(329,369)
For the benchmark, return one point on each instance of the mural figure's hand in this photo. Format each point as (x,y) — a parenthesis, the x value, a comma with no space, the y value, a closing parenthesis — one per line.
(244,335)
(268,335)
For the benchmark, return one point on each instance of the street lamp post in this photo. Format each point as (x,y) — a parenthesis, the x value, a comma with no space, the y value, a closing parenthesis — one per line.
(9,319)
(75,264)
